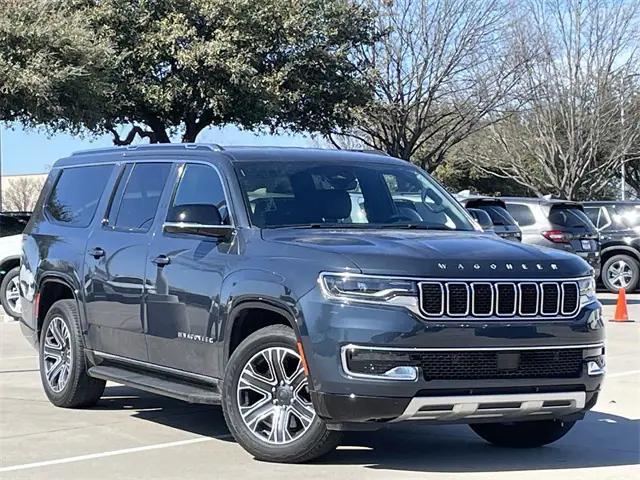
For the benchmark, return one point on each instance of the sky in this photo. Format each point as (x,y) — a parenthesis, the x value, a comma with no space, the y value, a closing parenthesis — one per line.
(33,151)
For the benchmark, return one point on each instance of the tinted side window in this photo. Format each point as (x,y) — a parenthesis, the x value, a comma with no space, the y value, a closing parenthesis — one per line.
(593,213)
(200,187)
(75,196)
(522,214)
(139,202)
(10,226)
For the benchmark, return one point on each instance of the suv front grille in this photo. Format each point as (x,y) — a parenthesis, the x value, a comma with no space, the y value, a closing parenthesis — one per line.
(471,364)
(500,299)
(488,365)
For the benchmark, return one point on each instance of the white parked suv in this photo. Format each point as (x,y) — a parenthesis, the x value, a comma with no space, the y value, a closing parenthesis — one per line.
(10,249)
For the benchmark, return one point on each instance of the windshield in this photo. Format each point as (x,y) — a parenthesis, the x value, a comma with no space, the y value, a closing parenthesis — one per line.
(346,195)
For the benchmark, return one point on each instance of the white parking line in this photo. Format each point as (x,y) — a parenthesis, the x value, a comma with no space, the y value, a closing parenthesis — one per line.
(92,456)
(19,357)
(622,374)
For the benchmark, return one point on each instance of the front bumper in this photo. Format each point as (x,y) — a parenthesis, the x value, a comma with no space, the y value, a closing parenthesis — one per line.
(340,397)
(352,411)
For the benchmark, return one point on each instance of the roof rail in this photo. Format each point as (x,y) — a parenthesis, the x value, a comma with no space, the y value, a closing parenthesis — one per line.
(152,146)
(367,150)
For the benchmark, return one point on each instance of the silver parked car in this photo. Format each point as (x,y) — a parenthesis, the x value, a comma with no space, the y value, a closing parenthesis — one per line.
(558,224)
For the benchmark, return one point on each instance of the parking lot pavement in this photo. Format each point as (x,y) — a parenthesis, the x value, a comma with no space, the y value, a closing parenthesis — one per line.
(132,434)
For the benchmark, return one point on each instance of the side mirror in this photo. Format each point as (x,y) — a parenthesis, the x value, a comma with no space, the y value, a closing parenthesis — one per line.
(483,219)
(194,219)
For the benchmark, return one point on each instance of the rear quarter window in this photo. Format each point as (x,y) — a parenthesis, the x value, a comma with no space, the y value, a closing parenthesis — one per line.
(76,194)
(522,214)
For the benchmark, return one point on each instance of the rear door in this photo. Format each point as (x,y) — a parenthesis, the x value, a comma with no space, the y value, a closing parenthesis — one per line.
(115,261)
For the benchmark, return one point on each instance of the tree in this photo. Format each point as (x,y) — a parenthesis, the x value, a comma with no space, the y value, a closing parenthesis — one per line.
(22,194)
(53,70)
(576,127)
(441,69)
(183,65)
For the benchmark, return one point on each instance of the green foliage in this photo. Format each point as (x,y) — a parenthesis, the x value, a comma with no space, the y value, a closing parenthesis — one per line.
(53,69)
(461,174)
(277,64)
(164,67)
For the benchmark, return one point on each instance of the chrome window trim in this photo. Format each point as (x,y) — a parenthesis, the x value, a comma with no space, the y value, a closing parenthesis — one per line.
(558,302)
(535,284)
(473,300)
(442,299)
(515,299)
(448,303)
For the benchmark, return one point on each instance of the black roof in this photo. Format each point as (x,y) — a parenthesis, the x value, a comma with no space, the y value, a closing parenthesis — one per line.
(232,153)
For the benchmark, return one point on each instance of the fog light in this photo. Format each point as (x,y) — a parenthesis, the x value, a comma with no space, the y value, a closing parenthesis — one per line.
(402,373)
(595,368)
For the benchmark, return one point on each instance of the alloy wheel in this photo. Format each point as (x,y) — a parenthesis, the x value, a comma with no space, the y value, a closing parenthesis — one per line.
(12,295)
(273,396)
(620,274)
(57,354)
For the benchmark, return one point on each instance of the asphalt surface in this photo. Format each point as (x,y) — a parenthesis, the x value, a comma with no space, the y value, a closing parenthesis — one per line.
(132,434)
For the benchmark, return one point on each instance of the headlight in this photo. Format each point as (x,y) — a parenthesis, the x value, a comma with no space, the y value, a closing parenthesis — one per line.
(361,287)
(587,288)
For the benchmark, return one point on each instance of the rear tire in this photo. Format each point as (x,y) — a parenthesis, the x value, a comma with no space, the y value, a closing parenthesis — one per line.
(63,364)
(621,271)
(277,422)
(523,434)
(10,293)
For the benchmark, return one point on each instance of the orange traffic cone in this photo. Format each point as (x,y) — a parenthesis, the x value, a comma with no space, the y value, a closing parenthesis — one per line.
(621,315)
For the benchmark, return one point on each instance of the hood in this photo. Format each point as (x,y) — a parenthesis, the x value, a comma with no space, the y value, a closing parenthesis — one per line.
(436,254)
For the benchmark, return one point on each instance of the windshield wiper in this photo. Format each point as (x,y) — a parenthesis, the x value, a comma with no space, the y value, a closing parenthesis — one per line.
(413,226)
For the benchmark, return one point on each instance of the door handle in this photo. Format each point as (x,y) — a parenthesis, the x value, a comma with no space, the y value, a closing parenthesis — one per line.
(161,260)
(97,252)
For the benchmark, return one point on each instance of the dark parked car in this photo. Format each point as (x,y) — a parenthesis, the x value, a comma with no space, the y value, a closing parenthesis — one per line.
(619,227)
(306,291)
(503,223)
(558,224)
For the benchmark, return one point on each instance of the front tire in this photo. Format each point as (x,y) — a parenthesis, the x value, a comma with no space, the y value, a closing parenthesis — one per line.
(621,271)
(523,434)
(10,293)
(63,365)
(266,401)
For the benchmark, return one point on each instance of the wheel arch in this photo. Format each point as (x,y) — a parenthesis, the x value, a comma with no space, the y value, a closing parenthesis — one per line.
(252,314)
(609,252)
(51,288)
(9,263)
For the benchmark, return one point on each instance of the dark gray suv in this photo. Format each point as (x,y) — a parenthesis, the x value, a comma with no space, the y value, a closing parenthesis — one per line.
(308,292)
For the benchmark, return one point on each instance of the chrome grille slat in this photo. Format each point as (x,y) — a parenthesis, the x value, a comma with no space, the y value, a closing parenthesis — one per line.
(484,299)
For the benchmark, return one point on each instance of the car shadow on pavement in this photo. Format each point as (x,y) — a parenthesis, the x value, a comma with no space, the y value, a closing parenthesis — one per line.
(205,420)
(600,440)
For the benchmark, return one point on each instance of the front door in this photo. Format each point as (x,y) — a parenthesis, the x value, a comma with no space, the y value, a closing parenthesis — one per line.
(115,262)
(184,276)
